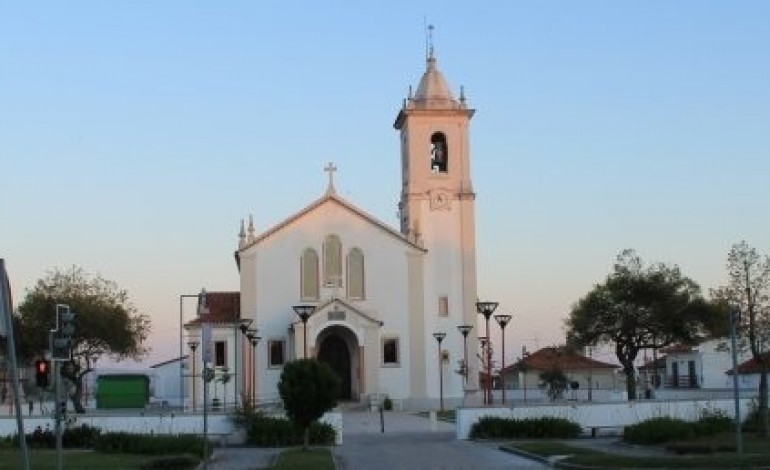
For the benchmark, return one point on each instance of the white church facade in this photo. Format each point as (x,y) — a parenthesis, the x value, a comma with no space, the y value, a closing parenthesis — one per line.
(378,293)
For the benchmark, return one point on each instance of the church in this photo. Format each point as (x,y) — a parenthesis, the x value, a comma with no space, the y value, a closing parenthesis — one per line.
(375,300)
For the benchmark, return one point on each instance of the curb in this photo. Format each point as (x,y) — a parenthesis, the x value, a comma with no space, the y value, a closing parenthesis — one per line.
(550,461)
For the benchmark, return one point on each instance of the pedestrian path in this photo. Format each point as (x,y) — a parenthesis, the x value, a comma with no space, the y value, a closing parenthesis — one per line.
(409,442)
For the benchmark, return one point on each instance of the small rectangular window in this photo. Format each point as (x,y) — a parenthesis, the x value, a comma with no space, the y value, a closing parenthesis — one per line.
(443,306)
(390,352)
(220,354)
(276,351)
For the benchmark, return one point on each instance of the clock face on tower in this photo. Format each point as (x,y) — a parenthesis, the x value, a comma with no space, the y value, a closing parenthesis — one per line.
(439,199)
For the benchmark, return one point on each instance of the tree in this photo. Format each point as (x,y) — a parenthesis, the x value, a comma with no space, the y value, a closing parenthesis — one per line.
(749,289)
(554,381)
(638,307)
(106,323)
(309,388)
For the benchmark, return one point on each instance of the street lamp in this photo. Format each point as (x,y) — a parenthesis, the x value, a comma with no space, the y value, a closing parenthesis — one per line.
(193,346)
(304,312)
(464,330)
(503,320)
(487,309)
(440,337)
(254,339)
(484,343)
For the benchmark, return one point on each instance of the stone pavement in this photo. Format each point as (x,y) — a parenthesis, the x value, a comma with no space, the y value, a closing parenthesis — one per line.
(409,442)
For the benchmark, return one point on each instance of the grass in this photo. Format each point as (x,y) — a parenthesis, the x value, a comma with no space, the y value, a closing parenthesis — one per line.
(311,459)
(44,459)
(756,452)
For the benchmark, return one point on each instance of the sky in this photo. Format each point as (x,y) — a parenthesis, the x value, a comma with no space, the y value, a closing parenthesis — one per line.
(134,137)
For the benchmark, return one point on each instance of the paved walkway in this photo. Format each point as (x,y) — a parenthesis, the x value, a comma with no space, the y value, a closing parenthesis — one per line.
(409,442)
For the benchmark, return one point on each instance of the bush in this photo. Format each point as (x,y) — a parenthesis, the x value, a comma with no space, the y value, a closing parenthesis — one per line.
(264,431)
(387,404)
(151,444)
(82,436)
(714,423)
(490,427)
(658,431)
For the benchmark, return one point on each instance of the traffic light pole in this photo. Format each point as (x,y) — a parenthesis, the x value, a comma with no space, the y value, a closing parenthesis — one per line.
(58,412)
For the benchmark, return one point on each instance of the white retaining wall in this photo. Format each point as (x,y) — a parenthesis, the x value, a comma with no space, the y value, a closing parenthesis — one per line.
(602,415)
(220,427)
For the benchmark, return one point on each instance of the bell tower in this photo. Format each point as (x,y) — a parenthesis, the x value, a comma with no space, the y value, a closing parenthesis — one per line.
(437,211)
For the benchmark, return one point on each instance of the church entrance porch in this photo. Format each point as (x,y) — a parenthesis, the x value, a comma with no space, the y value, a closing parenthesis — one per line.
(338,347)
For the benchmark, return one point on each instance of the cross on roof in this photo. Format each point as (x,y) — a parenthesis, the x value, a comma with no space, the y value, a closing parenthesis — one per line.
(330,168)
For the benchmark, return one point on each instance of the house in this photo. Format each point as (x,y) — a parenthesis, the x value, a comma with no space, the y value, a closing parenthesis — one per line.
(588,377)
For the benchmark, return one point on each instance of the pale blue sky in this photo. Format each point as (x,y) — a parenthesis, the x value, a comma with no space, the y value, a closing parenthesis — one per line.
(135,135)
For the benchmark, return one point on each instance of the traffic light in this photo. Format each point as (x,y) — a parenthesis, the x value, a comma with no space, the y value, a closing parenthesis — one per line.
(62,335)
(42,370)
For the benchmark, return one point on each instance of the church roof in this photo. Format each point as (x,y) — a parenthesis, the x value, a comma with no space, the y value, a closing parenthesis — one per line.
(332,198)
(433,89)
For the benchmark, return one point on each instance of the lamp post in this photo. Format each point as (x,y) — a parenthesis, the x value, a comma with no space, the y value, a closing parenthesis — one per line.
(483,342)
(181,340)
(503,320)
(440,337)
(487,309)
(253,339)
(193,346)
(304,312)
(464,330)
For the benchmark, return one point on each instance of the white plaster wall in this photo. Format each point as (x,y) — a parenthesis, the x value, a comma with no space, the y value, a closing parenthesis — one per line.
(278,275)
(590,415)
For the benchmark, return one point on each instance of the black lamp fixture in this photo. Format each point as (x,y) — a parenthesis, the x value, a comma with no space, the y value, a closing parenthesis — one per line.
(464,330)
(487,309)
(304,312)
(503,321)
(440,337)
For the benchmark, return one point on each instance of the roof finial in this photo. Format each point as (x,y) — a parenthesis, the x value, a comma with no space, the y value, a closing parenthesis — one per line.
(429,41)
(330,168)
(242,236)
(251,228)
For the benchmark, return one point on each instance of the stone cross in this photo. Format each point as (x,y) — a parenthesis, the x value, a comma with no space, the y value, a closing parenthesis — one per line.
(330,168)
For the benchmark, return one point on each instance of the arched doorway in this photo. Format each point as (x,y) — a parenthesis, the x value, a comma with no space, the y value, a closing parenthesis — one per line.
(335,352)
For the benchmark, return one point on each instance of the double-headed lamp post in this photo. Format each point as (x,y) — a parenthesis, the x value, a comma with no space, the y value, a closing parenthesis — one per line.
(304,312)
(464,330)
(440,337)
(503,320)
(193,344)
(487,309)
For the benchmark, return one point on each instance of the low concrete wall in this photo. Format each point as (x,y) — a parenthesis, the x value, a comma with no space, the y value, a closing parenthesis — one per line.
(220,427)
(601,415)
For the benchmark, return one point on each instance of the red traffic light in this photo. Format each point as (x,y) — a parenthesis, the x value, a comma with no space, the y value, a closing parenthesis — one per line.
(42,367)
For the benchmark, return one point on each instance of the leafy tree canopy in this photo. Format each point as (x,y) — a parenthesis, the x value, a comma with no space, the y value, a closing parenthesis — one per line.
(106,322)
(639,307)
(309,388)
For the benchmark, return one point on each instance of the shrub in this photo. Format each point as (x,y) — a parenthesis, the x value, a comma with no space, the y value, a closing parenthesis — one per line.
(82,436)
(387,404)
(151,444)
(713,423)
(658,431)
(265,431)
(490,427)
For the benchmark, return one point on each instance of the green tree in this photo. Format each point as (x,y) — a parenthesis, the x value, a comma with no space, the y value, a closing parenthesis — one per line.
(308,388)
(106,323)
(554,381)
(749,289)
(638,307)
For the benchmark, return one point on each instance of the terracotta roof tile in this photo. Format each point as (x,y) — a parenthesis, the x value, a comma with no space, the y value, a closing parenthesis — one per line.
(224,307)
(547,358)
(751,366)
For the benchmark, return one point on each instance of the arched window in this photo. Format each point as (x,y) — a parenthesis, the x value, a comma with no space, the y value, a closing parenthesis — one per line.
(355,272)
(332,261)
(309,275)
(439,153)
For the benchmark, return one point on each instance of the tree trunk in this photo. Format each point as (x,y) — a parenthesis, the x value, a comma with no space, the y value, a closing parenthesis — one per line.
(630,372)
(307,438)
(76,397)
(763,424)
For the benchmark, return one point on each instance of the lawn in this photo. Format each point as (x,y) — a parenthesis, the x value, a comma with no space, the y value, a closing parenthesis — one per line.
(311,459)
(44,459)
(757,452)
